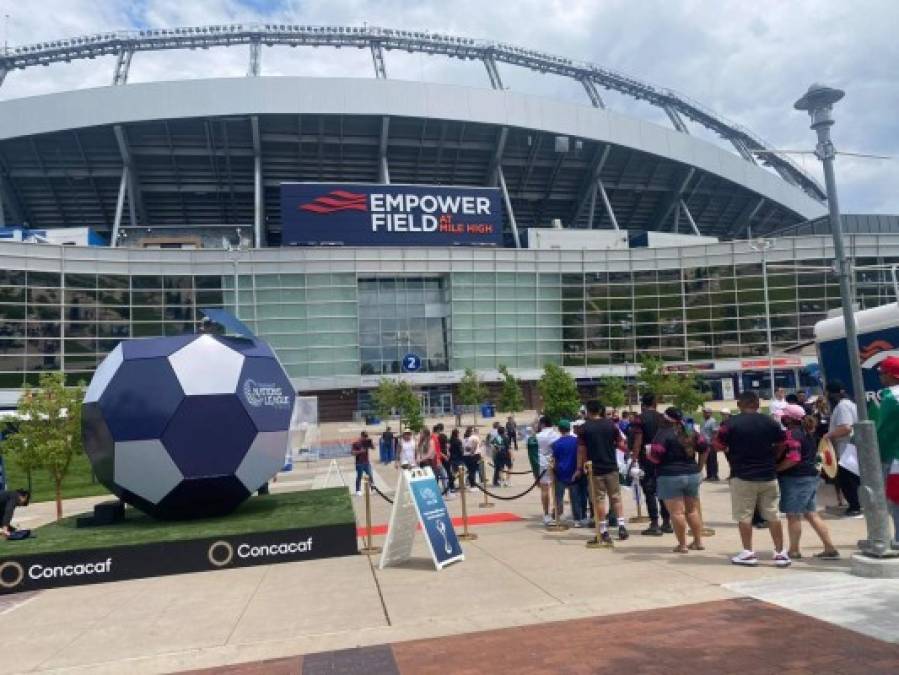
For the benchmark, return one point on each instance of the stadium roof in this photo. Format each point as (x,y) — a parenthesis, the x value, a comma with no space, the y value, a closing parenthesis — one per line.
(192,152)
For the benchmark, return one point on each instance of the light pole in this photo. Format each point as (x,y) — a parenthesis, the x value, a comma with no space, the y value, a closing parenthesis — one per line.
(763,245)
(818,102)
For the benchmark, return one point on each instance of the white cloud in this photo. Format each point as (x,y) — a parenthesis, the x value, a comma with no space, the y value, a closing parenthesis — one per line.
(746,61)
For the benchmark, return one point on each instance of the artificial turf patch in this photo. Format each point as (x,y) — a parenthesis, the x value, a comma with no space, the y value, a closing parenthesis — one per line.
(263,513)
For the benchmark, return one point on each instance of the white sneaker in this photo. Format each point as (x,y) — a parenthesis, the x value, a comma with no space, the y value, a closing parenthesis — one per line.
(547,519)
(782,559)
(746,558)
(358,493)
(578,523)
(471,489)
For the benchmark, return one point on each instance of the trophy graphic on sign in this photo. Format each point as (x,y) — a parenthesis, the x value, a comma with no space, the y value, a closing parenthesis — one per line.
(441,528)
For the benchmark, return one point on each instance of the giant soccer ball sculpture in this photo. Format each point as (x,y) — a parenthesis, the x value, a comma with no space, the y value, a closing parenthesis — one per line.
(188,426)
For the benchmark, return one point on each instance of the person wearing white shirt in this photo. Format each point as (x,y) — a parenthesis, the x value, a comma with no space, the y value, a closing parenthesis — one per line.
(843,417)
(546,436)
(778,403)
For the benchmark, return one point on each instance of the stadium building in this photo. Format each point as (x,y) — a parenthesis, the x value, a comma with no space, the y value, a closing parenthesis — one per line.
(616,237)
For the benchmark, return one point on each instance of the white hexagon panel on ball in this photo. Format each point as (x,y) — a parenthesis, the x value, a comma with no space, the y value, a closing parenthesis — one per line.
(206,366)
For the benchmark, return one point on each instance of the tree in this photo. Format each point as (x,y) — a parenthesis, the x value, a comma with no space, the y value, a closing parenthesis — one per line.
(559,392)
(393,397)
(49,433)
(679,389)
(471,391)
(612,392)
(510,399)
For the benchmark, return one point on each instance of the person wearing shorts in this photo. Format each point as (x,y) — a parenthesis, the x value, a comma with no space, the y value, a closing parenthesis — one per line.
(599,441)
(546,436)
(798,480)
(674,450)
(753,443)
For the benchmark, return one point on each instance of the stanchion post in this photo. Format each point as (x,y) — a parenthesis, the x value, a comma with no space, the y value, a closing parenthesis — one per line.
(557,525)
(466,535)
(368,549)
(597,541)
(484,504)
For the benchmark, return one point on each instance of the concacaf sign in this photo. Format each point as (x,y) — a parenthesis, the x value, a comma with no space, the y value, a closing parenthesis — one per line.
(356,214)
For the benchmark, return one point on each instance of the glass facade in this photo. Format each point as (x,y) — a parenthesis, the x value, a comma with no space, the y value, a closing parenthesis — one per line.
(335,316)
(399,316)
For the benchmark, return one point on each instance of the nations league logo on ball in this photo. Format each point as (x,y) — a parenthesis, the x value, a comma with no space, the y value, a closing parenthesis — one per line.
(260,394)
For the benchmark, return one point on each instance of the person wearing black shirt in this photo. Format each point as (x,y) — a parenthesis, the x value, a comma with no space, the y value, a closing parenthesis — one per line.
(9,500)
(599,439)
(798,479)
(642,430)
(674,451)
(512,432)
(753,442)
(456,454)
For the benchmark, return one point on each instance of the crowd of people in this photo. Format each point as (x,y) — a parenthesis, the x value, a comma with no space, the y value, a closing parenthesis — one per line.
(773,458)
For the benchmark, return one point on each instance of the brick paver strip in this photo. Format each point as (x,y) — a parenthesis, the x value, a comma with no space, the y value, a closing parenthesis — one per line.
(741,636)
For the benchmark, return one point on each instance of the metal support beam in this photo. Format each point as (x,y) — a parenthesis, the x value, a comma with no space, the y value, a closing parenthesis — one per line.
(592,207)
(122,66)
(119,208)
(742,149)
(255,59)
(135,200)
(377,57)
(607,203)
(2,215)
(258,188)
(676,221)
(509,212)
(667,206)
(689,215)
(745,218)
(3,72)
(593,92)
(383,167)
(599,161)
(676,119)
(493,72)
(10,199)
(497,158)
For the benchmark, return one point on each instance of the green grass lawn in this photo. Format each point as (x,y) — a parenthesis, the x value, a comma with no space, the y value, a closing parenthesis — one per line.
(272,512)
(78,483)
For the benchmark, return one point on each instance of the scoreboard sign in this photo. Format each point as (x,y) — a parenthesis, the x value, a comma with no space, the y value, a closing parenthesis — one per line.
(356,214)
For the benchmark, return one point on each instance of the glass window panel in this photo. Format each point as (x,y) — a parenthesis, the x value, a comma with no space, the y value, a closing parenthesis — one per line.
(146,281)
(10,347)
(43,329)
(43,279)
(147,329)
(81,329)
(12,312)
(47,296)
(146,313)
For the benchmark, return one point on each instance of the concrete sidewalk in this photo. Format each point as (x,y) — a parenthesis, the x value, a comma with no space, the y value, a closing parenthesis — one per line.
(514,574)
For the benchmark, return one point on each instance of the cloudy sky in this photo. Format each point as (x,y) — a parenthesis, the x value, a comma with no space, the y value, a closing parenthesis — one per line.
(748,61)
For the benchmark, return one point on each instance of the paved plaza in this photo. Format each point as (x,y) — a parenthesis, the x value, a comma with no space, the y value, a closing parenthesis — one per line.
(544,586)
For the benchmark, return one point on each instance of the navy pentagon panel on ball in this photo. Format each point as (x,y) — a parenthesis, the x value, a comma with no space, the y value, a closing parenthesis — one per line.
(187,426)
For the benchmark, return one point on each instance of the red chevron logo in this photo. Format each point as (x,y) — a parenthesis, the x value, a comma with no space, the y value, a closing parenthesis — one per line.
(335,201)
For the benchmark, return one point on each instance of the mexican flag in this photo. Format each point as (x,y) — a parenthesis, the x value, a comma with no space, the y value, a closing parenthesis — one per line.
(892,482)
(887,422)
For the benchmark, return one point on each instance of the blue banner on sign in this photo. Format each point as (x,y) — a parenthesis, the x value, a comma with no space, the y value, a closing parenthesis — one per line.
(435,520)
(357,214)
(873,346)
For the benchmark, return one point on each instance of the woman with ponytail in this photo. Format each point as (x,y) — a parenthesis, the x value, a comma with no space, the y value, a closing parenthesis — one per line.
(675,450)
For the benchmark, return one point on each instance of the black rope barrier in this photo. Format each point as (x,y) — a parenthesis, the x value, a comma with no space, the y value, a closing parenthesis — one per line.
(381,494)
(390,501)
(511,473)
(510,498)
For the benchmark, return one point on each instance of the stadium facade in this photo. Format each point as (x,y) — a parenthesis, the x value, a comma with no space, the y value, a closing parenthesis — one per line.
(197,166)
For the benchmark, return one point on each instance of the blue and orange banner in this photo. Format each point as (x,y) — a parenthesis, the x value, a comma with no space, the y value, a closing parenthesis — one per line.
(364,214)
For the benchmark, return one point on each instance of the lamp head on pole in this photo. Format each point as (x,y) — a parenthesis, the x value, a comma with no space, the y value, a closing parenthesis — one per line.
(818,103)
